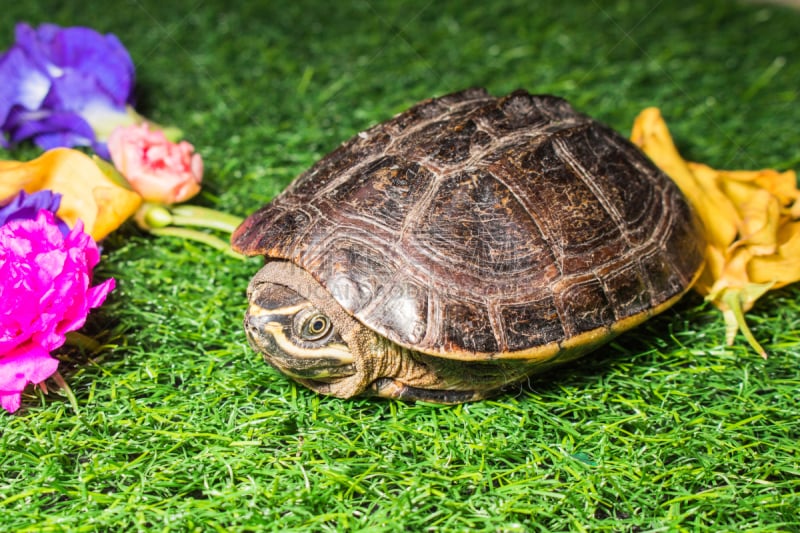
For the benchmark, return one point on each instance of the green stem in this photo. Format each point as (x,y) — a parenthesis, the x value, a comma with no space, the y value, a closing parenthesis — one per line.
(192,215)
(199,236)
(172,133)
(83,342)
(67,391)
(731,299)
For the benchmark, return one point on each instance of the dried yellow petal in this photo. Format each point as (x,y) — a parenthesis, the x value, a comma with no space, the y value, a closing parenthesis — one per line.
(87,191)
(716,212)
(759,213)
(782,185)
(783,267)
(750,220)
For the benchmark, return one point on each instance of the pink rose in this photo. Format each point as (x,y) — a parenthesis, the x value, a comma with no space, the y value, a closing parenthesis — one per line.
(160,171)
(45,280)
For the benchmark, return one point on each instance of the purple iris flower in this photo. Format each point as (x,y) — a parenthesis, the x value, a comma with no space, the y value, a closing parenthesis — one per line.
(27,206)
(64,87)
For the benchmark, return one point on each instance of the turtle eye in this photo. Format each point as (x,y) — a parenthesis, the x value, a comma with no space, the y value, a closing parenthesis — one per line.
(315,326)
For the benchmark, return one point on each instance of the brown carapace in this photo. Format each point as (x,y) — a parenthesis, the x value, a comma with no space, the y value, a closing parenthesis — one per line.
(461,246)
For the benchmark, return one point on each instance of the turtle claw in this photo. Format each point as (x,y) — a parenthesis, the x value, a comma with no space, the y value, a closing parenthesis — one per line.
(392,388)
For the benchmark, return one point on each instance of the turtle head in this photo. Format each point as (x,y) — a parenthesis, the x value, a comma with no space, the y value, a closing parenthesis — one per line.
(295,336)
(304,333)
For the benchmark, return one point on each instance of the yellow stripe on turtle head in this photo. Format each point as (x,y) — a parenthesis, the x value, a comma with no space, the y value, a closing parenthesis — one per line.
(336,351)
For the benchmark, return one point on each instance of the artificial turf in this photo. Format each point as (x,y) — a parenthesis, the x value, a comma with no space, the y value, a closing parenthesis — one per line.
(181,427)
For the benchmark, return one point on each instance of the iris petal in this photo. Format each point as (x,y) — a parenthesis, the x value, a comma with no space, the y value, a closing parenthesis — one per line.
(55,81)
(28,206)
(50,129)
(84,51)
(22,84)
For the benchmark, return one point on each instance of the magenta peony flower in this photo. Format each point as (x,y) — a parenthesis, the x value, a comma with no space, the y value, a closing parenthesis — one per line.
(45,290)
(64,87)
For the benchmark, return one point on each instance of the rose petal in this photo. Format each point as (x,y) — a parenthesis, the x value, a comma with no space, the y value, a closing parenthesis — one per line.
(782,185)
(160,171)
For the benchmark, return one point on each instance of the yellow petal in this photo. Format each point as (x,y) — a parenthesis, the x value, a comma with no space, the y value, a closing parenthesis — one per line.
(750,219)
(113,208)
(783,267)
(718,215)
(794,210)
(733,274)
(87,192)
(16,176)
(759,213)
(782,185)
(715,264)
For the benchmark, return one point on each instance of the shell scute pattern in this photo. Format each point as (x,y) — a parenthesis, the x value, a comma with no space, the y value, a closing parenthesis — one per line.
(531,323)
(384,190)
(485,226)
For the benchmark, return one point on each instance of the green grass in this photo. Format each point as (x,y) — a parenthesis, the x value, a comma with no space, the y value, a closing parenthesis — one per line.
(181,427)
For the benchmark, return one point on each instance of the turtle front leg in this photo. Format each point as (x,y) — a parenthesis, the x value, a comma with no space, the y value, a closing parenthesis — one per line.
(392,388)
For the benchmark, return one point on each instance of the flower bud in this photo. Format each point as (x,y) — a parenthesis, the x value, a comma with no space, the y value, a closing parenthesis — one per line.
(161,171)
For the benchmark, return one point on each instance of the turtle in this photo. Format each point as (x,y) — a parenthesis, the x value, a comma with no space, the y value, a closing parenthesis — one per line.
(460,247)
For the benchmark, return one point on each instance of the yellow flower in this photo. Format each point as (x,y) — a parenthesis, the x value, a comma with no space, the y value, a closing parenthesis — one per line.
(750,220)
(91,189)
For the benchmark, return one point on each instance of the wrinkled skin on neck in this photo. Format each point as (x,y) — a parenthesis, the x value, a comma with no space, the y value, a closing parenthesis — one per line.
(351,359)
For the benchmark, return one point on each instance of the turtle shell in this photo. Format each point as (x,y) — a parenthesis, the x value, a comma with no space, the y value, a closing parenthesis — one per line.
(472,227)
